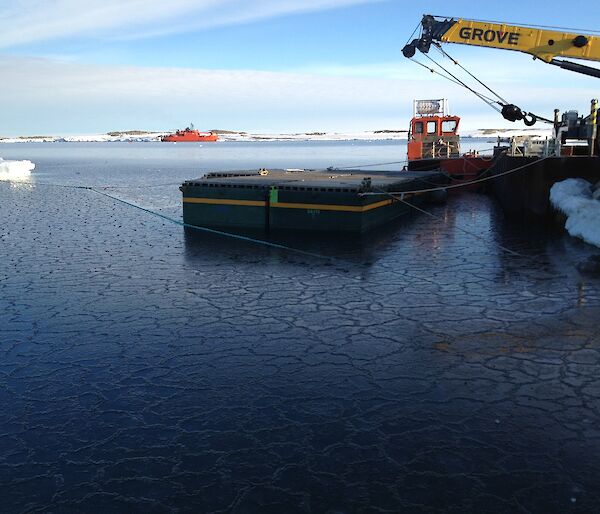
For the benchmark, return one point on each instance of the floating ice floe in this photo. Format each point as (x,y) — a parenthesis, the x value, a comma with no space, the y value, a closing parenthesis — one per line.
(15,170)
(576,199)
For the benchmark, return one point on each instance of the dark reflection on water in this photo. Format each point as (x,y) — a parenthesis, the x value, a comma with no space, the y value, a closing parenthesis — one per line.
(146,368)
(332,247)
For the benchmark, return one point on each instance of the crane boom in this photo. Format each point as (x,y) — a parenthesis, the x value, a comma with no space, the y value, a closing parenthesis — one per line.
(543,44)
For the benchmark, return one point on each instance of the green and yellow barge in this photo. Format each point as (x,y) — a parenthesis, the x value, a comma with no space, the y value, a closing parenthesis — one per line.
(314,200)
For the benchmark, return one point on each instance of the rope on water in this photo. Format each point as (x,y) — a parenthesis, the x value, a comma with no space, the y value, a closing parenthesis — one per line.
(73,186)
(252,240)
(395,195)
(438,218)
(183,224)
(303,252)
(333,168)
(220,232)
(22,182)
(400,197)
(288,248)
(405,161)
(455,186)
(139,186)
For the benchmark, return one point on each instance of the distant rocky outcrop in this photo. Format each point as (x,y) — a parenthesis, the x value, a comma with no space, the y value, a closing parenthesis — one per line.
(221,131)
(130,133)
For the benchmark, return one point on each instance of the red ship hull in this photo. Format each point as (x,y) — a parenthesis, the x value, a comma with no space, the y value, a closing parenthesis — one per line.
(190,136)
(465,167)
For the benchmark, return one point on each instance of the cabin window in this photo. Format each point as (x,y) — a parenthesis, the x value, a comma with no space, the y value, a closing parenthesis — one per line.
(418,127)
(431,127)
(449,126)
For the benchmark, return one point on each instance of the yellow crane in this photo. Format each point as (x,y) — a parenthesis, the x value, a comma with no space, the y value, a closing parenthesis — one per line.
(541,43)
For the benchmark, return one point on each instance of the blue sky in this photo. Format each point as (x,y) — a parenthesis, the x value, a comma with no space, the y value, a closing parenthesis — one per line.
(263,65)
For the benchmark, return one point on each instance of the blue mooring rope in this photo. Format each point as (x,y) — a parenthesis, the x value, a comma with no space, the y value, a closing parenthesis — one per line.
(195,227)
(218,232)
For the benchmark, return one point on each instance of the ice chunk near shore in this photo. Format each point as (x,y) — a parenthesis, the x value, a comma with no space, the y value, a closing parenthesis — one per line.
(574,198)
(15,169)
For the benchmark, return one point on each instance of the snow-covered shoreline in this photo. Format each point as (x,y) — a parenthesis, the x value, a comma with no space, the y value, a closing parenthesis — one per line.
(140,136)
(540,132)
(230,135)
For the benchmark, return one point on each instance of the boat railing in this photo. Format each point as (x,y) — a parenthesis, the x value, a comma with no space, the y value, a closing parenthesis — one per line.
(529,146)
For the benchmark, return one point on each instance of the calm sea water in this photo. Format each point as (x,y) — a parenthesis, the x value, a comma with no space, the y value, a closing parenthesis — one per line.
(148,368)
(163,165)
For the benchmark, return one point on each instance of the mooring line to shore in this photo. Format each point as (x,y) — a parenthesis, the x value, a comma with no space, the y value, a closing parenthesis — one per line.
(399,196)
(22,182)
(357,166)
(405,161)
(194,227)
(74,186)
(455,186)
(222,233)
(393,194)
(438,218)
(139,186)
(247,239)
(262,242)
(474,234)
(269,244)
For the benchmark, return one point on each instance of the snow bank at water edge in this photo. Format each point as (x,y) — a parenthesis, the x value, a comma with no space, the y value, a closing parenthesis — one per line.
(574,197)
(491,133)
(12,169)
(224,135)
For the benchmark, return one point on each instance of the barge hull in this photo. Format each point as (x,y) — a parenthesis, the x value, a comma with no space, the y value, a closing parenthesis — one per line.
(301,201)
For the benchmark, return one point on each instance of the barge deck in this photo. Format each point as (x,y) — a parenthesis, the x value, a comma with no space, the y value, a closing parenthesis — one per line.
(315,200)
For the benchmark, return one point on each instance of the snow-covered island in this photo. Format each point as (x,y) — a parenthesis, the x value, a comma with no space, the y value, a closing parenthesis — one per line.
(491,133)
(233,135)
(224,135)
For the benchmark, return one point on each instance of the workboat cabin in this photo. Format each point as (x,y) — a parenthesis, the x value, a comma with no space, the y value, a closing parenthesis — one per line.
(433,133)
(434,143)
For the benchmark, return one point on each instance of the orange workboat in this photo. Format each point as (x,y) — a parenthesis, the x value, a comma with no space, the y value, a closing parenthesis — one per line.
(190,135)
(434,143)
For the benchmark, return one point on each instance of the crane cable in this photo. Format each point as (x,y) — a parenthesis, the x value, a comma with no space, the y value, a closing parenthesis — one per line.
(457,82)
(488,101)
(444,53)
(501,101)
(414,32)
(453,78)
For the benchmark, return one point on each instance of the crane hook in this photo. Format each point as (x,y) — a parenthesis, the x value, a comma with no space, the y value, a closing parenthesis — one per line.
(532,119)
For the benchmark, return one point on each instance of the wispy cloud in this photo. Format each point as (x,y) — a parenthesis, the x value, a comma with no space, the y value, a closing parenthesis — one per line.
(41,95)
(488,64)
(27,21)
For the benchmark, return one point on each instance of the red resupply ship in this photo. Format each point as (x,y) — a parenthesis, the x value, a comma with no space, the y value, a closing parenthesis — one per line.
(190,135)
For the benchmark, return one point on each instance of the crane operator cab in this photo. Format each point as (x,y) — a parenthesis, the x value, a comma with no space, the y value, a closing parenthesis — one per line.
(433,133)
